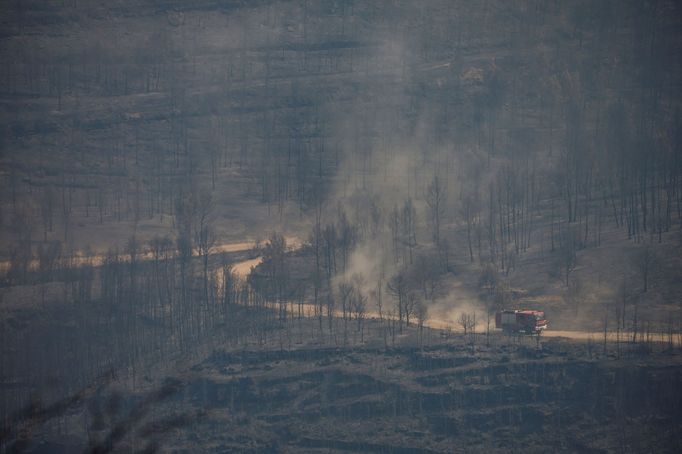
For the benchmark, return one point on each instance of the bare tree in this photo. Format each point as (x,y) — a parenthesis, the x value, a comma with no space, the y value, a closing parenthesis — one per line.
(345,290)
(47,211)
(161,249)
(574,294)
(394,225)
(489,280)
(421,312)
(21,249)
(426,276)
(48,257)
(348,235)
(471,215)
(204,236)
(132,250)
(229,289)
(359,304)
(645,260)
(397,286)
(376,295)
(409,226)
(605,325)
(464,322)
(567,253)
(330,246)
(375,219)
(274,255)
(411,303)
(184,217)
(435,201)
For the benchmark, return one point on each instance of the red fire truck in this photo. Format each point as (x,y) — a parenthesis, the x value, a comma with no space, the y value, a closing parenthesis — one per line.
(521,321)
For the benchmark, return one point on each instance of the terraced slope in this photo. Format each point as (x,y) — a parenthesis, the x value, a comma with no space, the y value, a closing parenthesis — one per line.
(441,399)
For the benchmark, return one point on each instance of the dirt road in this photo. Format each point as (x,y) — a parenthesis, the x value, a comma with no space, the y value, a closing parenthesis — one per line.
(242,270)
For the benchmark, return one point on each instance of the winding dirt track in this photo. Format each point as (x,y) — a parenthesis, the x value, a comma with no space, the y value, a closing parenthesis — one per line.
(242,270)
(79,258)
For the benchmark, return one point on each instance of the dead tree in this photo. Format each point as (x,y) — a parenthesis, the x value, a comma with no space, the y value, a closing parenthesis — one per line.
(435,201)
(397,286)
(408,226)
(421,312)
(645,260)
(204,237)
(345,290)
(359,307)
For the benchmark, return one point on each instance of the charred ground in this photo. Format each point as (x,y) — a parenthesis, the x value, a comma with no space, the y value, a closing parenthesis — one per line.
(436,160)
(461,394)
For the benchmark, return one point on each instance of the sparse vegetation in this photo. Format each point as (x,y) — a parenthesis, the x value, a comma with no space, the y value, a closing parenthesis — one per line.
(289,205)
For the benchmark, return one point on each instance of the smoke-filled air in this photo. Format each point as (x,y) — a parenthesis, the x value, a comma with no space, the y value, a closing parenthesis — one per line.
(306,226)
